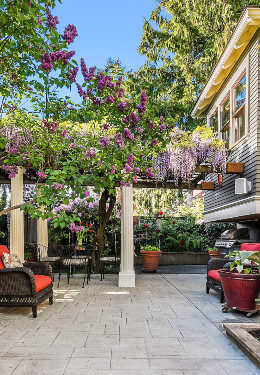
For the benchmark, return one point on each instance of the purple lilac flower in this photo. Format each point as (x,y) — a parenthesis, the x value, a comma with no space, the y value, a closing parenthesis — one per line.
(72,74)
(51,127)
(128,168)
(118,82)
(137,170)
(149,173)
(135,179)
(90,153)
(86,193)
(128,134)
(41,174)
(105,126)
(119,140)
(71,146)
(52,21)
(133,118)
(84,69)
(122,106)
(81,92)
(46,62)
(130,159)
(105,142)
(70,33)
(154,142)
(56,186)
(109,99)
(126,120)
(142,106)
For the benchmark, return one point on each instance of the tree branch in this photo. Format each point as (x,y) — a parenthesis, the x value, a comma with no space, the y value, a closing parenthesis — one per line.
(15,207)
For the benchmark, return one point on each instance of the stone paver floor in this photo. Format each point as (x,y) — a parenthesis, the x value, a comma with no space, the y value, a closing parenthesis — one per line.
(166,325)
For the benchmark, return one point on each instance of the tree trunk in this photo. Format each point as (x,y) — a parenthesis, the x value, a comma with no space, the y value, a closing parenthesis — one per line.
(104,216)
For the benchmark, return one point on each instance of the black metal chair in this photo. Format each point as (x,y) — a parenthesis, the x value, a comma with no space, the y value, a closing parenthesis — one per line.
(113,261)
(72,257)
(49,254)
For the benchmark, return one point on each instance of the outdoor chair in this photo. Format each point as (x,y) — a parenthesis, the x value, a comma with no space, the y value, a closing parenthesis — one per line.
(72,257)
(26,286)
(49,254)
(213,279)
(112,261)
(214,265)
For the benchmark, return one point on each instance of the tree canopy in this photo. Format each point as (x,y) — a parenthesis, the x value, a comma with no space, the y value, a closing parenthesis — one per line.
(182,41)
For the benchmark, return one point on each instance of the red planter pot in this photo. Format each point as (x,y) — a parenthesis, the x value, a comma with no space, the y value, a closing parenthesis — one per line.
(240,290)
(150,260)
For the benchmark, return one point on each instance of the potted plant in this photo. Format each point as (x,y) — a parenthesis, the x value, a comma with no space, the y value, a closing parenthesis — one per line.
(150,257)
(213,253)
(241,283)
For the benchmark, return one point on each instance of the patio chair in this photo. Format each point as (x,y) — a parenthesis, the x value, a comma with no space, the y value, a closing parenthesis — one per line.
(26,286)
(213,279)
(49,254)
(112,261)
(214,265)
(72,257)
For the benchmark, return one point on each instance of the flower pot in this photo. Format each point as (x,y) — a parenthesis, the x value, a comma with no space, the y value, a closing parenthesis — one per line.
(150,260)
(241,290)
(214,254)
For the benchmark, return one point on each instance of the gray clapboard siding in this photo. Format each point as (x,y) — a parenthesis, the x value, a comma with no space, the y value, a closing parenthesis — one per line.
(248,151)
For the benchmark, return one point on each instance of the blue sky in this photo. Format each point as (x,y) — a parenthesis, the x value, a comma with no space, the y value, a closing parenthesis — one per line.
(106,28)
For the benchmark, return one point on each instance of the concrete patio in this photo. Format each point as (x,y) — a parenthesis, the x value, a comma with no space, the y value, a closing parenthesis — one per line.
(166,325)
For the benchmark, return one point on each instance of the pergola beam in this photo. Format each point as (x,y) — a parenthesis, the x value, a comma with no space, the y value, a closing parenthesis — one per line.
(205,185)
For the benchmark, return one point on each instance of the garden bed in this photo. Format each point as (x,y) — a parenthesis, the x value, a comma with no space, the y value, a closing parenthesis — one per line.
(179,258)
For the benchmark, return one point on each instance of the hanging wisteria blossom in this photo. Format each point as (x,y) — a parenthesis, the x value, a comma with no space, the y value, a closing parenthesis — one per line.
(188,150)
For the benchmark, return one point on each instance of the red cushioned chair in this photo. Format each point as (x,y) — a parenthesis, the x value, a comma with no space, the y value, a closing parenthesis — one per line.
(23,286)
(213,279)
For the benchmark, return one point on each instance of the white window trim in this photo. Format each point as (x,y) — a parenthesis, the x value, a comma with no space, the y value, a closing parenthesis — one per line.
(229,89)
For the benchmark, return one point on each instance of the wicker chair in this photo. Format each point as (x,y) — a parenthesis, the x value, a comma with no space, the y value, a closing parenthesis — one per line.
(213,279)
(26,286)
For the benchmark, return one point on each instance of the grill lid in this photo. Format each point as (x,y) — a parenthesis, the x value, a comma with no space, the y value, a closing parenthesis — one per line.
(235,234)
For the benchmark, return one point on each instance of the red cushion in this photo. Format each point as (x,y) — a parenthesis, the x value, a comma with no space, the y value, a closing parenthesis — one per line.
(213,274)
(250,247)
(3,249)
(41,282)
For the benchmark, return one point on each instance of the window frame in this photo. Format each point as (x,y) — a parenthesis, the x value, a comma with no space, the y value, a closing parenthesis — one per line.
(229,91)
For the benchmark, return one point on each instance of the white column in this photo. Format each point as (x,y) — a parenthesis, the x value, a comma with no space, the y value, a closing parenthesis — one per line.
(17,216)
(42,233)
(42,237)
(127,272)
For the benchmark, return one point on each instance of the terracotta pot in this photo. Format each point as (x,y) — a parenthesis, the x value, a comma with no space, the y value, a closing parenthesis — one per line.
(214,254)
(240,290)
(150,260)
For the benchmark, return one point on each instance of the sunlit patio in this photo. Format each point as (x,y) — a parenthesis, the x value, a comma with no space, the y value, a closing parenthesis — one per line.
(166,325)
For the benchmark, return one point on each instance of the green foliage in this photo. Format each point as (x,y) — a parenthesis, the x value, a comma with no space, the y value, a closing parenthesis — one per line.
(182,41)
(150,201)
(24,37)
(173,234)
(245,261)
(149,248)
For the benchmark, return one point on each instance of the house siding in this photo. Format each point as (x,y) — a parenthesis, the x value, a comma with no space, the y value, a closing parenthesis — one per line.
(248,150)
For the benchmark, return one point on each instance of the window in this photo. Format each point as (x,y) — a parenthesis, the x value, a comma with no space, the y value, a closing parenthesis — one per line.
(225,121)
(214,121)
(239,109)
(229,115)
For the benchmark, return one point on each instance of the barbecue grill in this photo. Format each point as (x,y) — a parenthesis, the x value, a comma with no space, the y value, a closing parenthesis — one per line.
(231,240)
